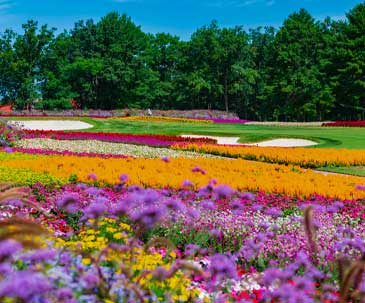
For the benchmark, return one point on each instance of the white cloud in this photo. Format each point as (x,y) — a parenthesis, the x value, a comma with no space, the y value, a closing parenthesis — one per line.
(5,5)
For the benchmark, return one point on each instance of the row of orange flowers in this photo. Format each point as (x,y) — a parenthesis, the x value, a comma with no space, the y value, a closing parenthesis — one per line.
(165,119)
(240,174)
(304,157)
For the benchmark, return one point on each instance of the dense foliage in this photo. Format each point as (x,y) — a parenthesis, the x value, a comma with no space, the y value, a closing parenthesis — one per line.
(305,70)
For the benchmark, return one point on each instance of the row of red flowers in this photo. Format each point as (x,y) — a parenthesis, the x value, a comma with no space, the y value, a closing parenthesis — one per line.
(360,123)
(151,140)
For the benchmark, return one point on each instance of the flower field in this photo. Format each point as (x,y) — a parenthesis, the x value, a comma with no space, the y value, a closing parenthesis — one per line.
(304,157)
(103,217)
(360,123)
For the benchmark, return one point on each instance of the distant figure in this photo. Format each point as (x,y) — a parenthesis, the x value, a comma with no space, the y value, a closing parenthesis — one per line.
(149,112)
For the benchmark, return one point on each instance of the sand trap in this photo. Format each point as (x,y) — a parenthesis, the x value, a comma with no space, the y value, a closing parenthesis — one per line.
(283,142)
(51,124)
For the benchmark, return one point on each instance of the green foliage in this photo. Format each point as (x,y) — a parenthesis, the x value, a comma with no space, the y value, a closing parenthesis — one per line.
(307,70)
(54,104)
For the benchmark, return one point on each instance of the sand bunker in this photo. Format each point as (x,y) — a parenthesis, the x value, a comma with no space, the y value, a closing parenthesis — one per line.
(283,142)
(51,124)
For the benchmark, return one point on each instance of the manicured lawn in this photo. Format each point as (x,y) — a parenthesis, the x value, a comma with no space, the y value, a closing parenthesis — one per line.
(352,170)
(335,137)
(327,137)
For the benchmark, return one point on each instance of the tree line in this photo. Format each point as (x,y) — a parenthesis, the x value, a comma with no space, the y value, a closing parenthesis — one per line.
(304,71)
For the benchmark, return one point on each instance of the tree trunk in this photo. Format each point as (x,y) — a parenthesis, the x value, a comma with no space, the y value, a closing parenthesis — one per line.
(226,91)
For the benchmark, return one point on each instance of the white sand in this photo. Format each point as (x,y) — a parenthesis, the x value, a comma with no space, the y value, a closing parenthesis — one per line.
(51,124)
(283,142)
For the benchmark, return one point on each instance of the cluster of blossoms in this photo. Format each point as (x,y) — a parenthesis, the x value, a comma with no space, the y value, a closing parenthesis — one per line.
(304,157)
(213,244)
(150,140)
(359,123)
(246,175)
(99,148)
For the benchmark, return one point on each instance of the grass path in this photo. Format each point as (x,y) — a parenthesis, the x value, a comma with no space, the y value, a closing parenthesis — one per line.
(352,170)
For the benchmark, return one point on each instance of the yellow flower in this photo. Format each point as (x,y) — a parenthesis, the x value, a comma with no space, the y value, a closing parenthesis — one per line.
(86,261)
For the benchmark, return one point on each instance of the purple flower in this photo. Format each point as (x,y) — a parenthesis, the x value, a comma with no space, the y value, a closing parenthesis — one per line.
(187,183)
(223,191)
(273,212)
(9,248)
(236,206)
(148,216)
(94,210)
(207,204)
(92,176)
(40,255)
(90,280)
(119,209)
(360,187)
(65,295)
(222,266)
(165,159)
(69,201)
(175,205)
(197,169)
(8,149)
(25,286)
(123,178)
(248,196)
(191,250)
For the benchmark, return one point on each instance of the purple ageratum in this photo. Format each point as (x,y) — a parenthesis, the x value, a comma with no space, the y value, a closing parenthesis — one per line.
(207,204)
(175,205)
(198,169)
(94,210)
(8,149)
(187,183)
(148,216)
(9,248)
(92,176)
(69,202)
(248,196)
(123,178)
(273,212)
(236,206)
(65,295)
(360,187)
(25,286)
(222,266)
(165,159)
(223,191)
(90,280)
(40,255)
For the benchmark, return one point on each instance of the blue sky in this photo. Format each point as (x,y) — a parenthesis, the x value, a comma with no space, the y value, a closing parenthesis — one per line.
(180,17)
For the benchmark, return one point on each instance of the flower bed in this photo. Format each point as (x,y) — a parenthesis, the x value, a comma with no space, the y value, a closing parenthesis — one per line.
(96,148)
(360,123)
(80,243)
(151,140)
(156,173)
(164,119)
(304,157)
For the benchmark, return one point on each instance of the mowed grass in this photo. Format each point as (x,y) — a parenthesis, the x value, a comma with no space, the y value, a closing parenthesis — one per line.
(341,137)
(351,170)
(329,137)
